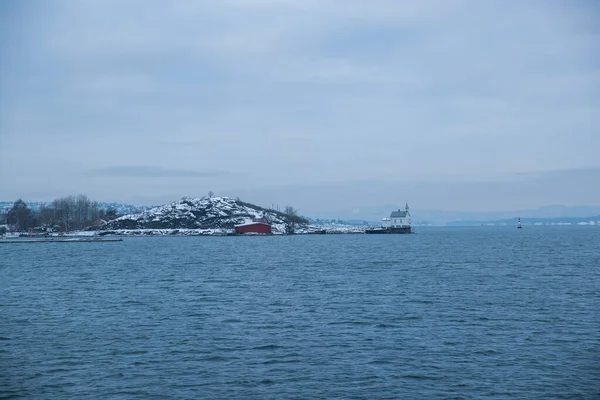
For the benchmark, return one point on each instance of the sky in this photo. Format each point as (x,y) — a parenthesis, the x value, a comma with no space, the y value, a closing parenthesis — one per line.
(328,105)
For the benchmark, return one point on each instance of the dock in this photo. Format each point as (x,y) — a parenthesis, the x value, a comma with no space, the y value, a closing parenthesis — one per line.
(384,231)
(59,240)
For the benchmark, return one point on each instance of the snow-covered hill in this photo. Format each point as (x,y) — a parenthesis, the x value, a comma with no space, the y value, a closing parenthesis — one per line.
(199,213)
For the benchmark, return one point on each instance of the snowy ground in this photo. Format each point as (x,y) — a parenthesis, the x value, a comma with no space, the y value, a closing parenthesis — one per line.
(330,229)
(165,232)
(305,230)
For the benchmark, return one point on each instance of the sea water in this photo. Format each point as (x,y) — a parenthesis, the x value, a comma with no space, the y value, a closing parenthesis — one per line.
(487,313)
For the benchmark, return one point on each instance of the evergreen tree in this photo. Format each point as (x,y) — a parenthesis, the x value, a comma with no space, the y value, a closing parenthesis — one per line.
(20,216)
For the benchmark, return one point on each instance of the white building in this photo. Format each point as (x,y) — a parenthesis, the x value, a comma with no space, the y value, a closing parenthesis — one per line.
(397,219)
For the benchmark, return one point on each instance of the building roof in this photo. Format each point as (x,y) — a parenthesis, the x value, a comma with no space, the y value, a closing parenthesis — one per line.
(252,223)
(399,214)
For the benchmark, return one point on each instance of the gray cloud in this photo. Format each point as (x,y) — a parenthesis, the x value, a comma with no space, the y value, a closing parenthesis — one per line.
(294,93)
(147,171)
(373,197)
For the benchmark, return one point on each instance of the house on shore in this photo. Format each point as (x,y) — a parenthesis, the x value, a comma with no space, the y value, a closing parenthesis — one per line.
(398,219)
(257,227)
(398,222)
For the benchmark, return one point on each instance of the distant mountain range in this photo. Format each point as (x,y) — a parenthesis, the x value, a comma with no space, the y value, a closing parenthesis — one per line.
(594,220)
(511,196)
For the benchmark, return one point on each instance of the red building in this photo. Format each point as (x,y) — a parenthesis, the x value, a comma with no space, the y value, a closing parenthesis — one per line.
(253,227)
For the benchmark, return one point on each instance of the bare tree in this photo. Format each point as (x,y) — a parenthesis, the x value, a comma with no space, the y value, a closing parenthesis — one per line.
(82,208)
(111,214)
(74,212)
(47,215)
(94,212)
(61,212)
(211,194)
(291,219)
(65,211)
(68,213)
(291,211)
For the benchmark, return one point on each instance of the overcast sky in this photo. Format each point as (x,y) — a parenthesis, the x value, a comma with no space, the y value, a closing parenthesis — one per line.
(147,101)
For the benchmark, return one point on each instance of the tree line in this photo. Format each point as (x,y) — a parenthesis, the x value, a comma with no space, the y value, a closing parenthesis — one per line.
(62,214)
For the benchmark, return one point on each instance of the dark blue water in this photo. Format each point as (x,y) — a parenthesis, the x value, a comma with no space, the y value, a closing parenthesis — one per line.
(487,313)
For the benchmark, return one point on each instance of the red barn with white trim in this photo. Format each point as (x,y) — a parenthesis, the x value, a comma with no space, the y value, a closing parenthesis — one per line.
(253,227)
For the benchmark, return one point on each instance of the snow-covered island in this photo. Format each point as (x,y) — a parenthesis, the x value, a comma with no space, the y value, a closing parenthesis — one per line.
(212,216)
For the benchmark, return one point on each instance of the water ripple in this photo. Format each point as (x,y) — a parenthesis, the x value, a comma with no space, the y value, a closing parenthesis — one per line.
(449,314)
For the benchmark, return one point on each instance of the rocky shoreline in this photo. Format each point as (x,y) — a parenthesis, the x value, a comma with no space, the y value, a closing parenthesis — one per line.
(307,230)
(310,230)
